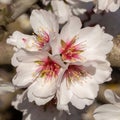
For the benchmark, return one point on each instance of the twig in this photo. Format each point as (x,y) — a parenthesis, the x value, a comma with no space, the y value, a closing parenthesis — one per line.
(21,6)
(114,56)
(6,52)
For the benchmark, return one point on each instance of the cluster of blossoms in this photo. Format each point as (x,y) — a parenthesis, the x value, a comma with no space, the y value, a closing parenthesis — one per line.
(109,111)
(67,66)
(64,9)
(107,5)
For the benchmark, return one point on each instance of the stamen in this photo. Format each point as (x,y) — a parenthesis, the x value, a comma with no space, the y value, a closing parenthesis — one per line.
(74,73)
(49,68)
(42,39)
(70,51)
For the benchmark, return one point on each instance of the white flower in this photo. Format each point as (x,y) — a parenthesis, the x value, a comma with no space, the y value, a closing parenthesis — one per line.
(109,111)
(45,27)
(40,73)
(71,69)
(107,5)
(80,45)
(61,10)
(76,7)
(84,51)
(64,10)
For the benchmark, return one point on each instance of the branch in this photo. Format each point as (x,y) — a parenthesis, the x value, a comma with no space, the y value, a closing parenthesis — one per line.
(6,52)
(114,56)
(21,6)
(9,13)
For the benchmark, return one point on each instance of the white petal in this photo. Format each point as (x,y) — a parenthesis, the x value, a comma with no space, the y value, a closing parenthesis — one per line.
(107,5)
(102,4)
(56,45)
(78,11)
(80,103)
(63,107)
(63,94)
(97,43)
(61,10)
(25,74)
(111,96)
(106,112)
(42,91)
(27,56)
(19,39)
(114,6)
(78,97)
(85,88)
(71,29)
(103,71)
(42,20)
(79,92)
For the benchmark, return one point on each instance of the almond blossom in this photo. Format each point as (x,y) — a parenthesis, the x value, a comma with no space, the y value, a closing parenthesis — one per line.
(107,5)
(69,67)
(39,73)
(84,51)
(65,9)
(109,111)
(61,10)
(45,27)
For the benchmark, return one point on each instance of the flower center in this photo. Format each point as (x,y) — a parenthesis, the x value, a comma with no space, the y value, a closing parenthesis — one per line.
(38,44)
(48,68)
(43,39)
(74,73)
(69,51)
